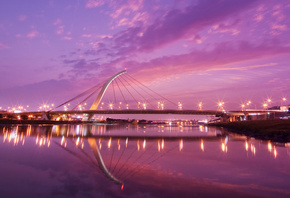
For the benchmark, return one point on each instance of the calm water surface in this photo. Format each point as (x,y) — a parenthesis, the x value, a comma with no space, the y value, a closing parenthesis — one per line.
(139,161)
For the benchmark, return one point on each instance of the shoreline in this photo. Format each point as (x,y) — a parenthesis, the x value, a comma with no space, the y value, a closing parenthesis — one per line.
(11,122)
(273,130)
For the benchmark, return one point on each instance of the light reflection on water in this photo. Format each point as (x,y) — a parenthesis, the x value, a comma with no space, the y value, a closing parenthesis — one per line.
(150,160)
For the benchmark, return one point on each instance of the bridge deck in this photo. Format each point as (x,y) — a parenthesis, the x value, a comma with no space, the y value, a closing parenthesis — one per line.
(147,111)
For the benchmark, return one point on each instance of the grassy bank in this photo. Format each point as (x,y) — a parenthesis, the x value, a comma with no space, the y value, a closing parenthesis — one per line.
(274,130)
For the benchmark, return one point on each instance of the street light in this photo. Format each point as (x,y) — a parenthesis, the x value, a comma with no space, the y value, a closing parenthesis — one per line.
(111,106)
(243,107)
(221,106)
(162,106)
(200,106)
(179,106)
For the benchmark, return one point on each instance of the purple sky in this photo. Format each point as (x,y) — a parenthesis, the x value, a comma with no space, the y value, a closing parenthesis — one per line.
(188,51)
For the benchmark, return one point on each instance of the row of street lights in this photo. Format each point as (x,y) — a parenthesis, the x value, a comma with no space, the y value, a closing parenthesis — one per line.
(160,106)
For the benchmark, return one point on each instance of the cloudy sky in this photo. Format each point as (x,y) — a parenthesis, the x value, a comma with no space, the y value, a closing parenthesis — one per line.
(188,51)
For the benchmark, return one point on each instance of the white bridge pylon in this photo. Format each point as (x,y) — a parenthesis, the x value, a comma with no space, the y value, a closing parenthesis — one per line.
(104,88)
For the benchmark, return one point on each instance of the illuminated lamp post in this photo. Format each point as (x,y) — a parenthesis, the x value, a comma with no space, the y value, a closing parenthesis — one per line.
(265,105)
(243,107)
(200,106)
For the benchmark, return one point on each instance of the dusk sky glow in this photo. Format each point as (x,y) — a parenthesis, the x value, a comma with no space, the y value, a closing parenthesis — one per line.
(188,51)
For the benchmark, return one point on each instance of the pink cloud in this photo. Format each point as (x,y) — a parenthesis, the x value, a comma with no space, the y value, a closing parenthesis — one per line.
(67,38)
(60,29)
(94,3)
(32,34)
(129,7)
(57,22)
(227,27)
(87,35)
(132,21)
(177,25)
(22,17)
(259,17)
(2,46)
(220,58)
(279,27)
(278,13)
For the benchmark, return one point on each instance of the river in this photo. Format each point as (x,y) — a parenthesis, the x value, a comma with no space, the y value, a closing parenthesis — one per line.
(139,161)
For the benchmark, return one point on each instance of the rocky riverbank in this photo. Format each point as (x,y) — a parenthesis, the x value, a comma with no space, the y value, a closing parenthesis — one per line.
(274,130)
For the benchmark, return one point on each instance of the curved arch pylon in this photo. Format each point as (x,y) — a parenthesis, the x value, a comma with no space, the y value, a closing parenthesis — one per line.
(104,88)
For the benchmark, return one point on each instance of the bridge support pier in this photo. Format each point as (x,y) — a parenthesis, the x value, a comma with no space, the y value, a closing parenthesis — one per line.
(44,116)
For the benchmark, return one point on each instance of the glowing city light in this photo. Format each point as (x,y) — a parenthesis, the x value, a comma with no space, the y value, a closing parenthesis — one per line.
(200,106)
(269,147)
(109,143)
(275,152)
(144,144)
(220,105)
(224,147)
(111,106)
(180,145)
(162,106)
(179,106)
(243,107)
(246,146)
(253,149)
(138,145)
(202,145)
(127,142)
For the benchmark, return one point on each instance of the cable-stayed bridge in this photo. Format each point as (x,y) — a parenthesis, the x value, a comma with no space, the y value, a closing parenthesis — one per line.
(128,96)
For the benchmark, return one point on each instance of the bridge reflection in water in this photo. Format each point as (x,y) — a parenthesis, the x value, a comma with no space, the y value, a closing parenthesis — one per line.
(120,157)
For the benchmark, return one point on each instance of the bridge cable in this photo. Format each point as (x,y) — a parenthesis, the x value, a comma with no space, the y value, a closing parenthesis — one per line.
(138,85)
(126,161)
(86,98)
(112,157)
(87,155)
(119,159)
(152,90)
(89,162)
(122,173)
(121,91)
(143,166)
(114,93)
(128,91)
(78,96)
(134,163)
(137,91)
(81,94)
